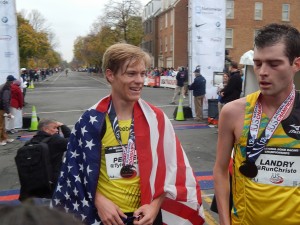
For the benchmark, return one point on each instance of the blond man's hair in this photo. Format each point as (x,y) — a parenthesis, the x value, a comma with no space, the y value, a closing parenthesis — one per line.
(117,55)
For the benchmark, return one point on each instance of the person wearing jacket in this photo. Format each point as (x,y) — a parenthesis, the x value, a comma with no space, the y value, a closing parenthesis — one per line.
(199,90)
(233,89)
(57,146)
(16,104)
(5,96)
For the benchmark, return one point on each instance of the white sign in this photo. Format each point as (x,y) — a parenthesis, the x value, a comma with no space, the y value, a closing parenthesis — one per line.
(9,51)
(207,36)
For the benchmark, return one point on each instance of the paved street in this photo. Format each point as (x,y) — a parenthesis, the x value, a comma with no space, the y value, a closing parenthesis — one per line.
(65,98)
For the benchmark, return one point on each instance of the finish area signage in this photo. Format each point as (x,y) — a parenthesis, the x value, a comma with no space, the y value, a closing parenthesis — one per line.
(207,40)
(9,51)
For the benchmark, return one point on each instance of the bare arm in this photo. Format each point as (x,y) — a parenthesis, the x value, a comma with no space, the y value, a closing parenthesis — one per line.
(230,125)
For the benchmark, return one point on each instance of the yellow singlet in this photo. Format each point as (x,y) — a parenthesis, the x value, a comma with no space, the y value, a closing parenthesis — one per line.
(123,192)
(273,196)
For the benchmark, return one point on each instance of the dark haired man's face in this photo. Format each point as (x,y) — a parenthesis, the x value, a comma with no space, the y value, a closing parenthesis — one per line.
(273,70)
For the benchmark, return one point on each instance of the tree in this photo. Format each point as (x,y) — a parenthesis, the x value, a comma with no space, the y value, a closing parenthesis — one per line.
(35,49)
(120,15)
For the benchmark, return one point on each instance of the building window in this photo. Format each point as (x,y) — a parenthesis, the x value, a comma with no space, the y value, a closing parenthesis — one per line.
(229,9)
(161,23)
(171,42)
(258,11)
(172,17)
(160,45)
(166,20)
(285,12)
(229,38)
(166,44)
(150,26)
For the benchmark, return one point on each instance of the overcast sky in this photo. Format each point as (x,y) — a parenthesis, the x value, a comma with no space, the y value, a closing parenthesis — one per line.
(67,18)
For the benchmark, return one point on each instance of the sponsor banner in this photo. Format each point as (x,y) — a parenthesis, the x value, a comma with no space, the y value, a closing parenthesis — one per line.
(168,81)
(9,51)
(207,35)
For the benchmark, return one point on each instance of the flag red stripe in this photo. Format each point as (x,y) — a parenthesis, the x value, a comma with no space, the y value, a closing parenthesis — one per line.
(161,170)
(180,177)
(182,211)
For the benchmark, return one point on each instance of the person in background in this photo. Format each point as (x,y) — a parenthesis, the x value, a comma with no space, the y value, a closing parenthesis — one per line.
(115,168)
(57,144)
(220,88)
(5,96)
(263,129)
(199,90)
(233,89)
(24,84)
(179,89)
(16,104)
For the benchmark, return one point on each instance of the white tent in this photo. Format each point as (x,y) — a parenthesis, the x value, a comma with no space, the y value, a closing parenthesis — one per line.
(247,58)
(250,83)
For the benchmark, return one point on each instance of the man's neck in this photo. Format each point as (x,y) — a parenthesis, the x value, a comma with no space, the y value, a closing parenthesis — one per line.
(123,109)
(270,104)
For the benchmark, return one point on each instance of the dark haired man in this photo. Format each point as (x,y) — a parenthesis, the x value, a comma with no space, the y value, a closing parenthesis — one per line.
(263,129)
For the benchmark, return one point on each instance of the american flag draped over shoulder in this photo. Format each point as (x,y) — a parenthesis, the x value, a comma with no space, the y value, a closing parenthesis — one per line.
(163,167)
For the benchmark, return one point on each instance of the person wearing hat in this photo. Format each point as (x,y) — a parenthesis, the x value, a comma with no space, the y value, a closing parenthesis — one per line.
(5,96)
(199,90)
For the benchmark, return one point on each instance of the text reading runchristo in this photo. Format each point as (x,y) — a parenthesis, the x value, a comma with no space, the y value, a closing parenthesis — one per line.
(276,166)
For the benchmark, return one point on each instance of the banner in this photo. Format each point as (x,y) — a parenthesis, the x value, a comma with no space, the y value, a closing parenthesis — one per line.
(9,51)
(207,41)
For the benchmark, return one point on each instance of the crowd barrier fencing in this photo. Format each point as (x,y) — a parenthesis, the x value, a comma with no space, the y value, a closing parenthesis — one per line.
(160,81)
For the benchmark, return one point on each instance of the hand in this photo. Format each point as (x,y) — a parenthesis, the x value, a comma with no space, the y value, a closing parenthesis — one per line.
(147,215)
(109,212)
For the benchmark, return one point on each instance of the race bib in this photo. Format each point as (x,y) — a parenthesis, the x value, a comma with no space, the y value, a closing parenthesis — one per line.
(114,163)
(278,166)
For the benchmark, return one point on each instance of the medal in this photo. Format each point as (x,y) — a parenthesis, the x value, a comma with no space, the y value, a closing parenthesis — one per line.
(248,169)
(128,171)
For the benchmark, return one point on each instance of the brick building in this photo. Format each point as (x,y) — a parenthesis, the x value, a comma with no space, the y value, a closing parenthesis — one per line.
(166,30)
(166,27)
(245,17)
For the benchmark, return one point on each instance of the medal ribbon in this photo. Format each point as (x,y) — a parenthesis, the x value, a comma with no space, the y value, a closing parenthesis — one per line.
(128,151)
(256,145)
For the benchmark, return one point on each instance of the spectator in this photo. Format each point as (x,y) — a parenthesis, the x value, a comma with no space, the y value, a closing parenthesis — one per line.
(24,84)
(126,139)
(179,89)
(233,89)
(28,214)
(57,146)
(5,96)
(16,104)
(220,88)
(199,91)
(263,129)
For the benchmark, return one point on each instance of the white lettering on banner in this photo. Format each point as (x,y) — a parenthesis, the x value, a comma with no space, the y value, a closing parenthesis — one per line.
(207,47)
(278,166)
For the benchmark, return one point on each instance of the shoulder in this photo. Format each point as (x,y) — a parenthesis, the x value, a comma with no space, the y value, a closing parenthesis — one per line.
(233,112)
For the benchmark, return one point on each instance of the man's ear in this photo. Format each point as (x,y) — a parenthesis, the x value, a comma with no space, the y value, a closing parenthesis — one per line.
(296,64)
(109,75)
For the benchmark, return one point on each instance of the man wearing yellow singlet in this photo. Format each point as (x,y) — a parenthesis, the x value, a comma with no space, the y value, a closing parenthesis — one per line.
(264,129)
